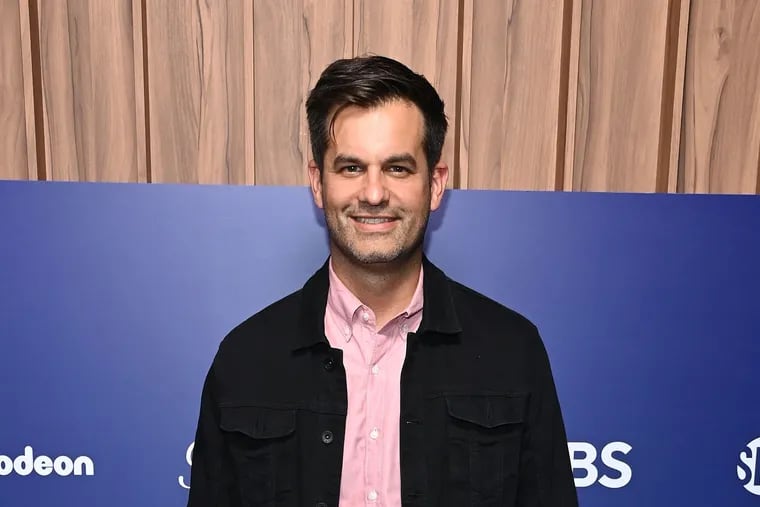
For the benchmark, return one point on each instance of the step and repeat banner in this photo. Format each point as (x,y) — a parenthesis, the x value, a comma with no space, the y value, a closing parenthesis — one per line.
(113,299)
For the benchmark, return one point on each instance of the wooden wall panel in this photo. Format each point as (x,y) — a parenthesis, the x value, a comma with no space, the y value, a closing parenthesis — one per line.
(620,88)
(294,41)
(671,99)
(197,90)
(721,128)
(18,159)
(623,95)
(512,94)
(422,34)
(91,55)
(675,69)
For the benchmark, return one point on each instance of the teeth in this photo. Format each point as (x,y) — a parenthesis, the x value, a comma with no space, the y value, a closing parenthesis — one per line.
(372,220)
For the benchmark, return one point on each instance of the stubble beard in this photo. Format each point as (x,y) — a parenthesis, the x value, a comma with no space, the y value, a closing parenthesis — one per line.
(345,239)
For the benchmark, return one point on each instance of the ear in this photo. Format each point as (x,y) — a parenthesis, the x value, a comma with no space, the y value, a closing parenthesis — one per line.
(315,181)
(438,178)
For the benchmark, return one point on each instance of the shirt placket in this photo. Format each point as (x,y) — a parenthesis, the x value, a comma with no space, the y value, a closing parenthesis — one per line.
(377,384)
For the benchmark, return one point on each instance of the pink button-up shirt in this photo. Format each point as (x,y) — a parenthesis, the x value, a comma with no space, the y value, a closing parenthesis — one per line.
(373,360)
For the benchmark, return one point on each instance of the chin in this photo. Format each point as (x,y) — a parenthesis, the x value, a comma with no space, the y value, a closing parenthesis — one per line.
(375,258)
(381,256)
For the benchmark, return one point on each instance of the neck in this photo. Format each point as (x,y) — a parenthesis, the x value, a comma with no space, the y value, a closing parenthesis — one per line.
(386,288)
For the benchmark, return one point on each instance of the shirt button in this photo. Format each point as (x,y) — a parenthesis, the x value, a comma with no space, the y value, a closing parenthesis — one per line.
(375,369)
(374,433)
(372,495)
(404,329)
(365,317)
(327,437)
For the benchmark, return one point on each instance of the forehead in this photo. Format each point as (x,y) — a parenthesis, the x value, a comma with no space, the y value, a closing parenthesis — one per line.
(395,126)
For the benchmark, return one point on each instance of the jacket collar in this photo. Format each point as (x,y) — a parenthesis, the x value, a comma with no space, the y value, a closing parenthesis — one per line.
(438,311)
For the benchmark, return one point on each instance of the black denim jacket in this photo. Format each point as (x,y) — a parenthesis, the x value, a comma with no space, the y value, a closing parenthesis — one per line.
(480,421)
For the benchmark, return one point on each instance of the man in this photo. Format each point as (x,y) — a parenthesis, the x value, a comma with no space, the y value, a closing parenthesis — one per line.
(381,381)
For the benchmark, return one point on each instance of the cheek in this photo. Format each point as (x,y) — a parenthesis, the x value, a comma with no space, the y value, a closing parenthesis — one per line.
(334,204)
(415,200)
(337,196)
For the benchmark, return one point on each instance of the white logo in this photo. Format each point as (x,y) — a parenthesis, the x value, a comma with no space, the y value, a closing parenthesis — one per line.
(45,465)
(585,462)
(748,468)
(583,457)
(189,458)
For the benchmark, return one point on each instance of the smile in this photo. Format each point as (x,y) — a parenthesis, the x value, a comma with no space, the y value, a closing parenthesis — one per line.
(373,220)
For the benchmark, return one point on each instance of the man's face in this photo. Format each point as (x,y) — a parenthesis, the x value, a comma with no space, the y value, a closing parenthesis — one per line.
(375,187)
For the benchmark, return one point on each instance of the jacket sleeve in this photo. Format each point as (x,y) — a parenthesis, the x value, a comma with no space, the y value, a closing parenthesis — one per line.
(546,478)
(210,476)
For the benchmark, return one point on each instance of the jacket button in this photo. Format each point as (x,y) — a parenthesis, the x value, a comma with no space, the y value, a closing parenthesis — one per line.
(328,364)
(327,437)
(321,504)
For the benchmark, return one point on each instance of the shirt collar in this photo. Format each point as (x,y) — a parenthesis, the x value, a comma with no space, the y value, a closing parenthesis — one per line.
(418,298)
(438,315)
(344,304)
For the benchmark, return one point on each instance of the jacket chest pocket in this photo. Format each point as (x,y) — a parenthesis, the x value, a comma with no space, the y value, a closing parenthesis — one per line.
(484,433)
(261,444)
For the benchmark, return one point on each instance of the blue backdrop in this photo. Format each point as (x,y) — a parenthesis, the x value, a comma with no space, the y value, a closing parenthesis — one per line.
(113,299)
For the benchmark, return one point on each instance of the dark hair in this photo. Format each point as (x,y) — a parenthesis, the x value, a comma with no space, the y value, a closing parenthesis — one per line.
(367,82)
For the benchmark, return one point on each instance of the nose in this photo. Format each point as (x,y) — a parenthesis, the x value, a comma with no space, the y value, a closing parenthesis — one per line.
(374,191)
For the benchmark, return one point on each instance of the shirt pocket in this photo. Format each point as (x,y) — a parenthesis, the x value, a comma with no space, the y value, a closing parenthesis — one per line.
(484,435)
(261,445)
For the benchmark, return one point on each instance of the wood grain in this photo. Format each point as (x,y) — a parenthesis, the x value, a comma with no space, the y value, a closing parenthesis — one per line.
(572,69)
(622,52)
(513,96)
(90,111)
(140,91)
(197,91)
(294,41)
(680,11)
(424,35)
(721,124)
(249,82)
(17,136)
(603,95)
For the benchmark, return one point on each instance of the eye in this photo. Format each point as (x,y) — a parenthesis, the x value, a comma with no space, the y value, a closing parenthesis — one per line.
(399,170)
(351,169)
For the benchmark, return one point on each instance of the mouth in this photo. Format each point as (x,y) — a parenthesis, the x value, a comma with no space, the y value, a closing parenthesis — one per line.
(373,220)
(374,223)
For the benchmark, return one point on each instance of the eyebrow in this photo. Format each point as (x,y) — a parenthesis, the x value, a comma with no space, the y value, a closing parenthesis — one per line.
(346,159)
(401,158)
(406,158)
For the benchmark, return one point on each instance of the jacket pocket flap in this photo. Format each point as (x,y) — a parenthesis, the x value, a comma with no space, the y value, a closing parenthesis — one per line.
(258,422)
(487,411)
